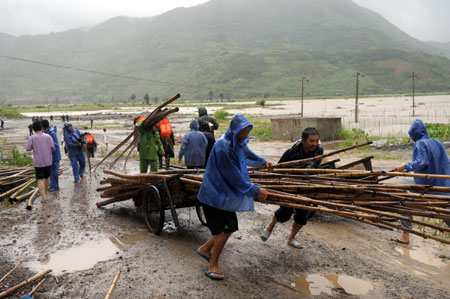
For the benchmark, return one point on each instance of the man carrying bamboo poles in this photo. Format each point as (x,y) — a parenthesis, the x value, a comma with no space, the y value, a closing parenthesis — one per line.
(307,147)
(74,144)
(429,157)
(226,189)
(149,147)
(56,153)
(42,146)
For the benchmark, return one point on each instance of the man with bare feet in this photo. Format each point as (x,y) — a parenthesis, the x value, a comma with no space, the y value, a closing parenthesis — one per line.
(226,189)
(307,147)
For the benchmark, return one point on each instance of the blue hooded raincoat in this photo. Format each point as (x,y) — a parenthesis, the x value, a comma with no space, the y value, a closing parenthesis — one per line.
(193,147)
(226,183)
(429,156)
(70,139)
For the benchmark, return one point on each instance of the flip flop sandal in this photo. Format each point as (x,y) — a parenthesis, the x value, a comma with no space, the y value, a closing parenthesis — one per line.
(399,241)
(295,244)
(213,275)
(207,258)
(265,235)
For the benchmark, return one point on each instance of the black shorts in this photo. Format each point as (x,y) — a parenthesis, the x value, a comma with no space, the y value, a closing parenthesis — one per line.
(42,172)
(283,214)
(220,221)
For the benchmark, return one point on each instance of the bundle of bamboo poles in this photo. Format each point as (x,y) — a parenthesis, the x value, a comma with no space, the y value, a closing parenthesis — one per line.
(132,140)
(352,194)
(18,184)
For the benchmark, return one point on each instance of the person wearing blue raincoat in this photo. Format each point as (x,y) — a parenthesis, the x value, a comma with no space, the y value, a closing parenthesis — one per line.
(193,147)
(74,145)
(226,189)
(429,157)
(56,154)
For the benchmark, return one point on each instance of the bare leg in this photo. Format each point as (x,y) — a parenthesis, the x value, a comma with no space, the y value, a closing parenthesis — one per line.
(42,187)
(295,229)
(272,224)
(47,184)
(207,246)
(219,242)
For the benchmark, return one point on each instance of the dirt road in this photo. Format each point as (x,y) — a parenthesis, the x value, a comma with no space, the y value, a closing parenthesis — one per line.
(85,246)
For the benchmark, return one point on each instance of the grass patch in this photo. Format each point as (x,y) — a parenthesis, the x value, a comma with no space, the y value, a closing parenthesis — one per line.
(15,158)
(10,112)
(221,115)
(352,137)
(261,130)
(438,131)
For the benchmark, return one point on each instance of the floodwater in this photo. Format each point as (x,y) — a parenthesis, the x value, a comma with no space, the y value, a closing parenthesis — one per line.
(86,255)
(315,284)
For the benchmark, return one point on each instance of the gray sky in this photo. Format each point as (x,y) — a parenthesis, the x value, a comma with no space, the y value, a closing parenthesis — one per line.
(422,19)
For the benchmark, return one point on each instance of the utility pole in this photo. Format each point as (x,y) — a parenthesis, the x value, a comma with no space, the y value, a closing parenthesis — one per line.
(356,97)
(303,89)
(413,91)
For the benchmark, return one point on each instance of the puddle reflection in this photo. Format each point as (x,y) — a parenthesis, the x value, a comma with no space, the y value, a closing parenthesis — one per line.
(315,284)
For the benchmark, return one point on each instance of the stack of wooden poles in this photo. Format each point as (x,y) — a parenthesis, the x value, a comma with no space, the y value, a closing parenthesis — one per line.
(18,184)
(352,194)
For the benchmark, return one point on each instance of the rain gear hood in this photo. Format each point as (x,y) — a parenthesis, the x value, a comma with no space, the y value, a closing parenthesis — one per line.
(193,147)
(202,111)
(429,156)
(71,140)
(226,184)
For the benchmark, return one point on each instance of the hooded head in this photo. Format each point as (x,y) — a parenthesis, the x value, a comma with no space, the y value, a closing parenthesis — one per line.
(165,121)
(418,130)
(238,123)
(68,126)
(194,125)
(202,111)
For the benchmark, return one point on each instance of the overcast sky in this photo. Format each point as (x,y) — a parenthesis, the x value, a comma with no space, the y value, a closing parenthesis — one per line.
(422,19)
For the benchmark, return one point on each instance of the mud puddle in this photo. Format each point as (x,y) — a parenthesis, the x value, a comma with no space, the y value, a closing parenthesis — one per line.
(424,253)
(315,284)
(88,254)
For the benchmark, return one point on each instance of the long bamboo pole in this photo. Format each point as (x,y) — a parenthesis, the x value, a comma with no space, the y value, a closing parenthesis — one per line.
(304,161)
(12,270)
(31,200)
(112,287)
(23,283)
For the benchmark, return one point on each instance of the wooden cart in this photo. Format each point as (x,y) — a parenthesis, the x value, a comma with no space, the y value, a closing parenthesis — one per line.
(166,195)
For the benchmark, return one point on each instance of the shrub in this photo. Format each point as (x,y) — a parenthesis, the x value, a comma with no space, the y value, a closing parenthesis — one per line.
(221,115)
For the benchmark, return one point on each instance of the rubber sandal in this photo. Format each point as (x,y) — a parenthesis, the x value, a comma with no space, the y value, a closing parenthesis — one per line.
(43,201)
(265,235)
(295,244)
(204,256)
(213,275)
(399,241)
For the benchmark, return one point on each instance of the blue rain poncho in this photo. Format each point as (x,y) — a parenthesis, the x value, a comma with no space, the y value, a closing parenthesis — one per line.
(193,147)
(71,140)
(56,152)
(226,183)
(428,157)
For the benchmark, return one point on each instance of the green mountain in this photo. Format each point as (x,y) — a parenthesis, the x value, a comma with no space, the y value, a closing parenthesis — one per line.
(238,48)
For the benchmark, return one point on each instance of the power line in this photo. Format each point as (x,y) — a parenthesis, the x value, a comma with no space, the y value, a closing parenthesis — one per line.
(121,76)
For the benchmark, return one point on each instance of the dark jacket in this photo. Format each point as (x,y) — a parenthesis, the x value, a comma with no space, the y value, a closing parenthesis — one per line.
(204,120)
(296,153)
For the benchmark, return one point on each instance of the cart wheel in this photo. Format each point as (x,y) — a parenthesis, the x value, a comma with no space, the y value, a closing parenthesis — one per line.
(154,211)
(201,214)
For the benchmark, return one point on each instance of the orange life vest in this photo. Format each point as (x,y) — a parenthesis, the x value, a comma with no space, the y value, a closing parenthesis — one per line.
(140,118)
(165,127)
(90,139)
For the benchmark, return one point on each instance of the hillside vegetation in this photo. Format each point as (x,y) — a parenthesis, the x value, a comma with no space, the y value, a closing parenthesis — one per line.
(228,49)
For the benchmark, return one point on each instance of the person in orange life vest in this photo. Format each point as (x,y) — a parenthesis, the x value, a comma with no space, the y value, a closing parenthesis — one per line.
(91,144)
(168,141)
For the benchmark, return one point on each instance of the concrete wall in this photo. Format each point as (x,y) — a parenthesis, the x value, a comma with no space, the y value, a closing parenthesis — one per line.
(290,128)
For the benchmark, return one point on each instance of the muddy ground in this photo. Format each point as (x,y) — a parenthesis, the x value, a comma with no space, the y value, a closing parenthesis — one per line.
(86,246)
